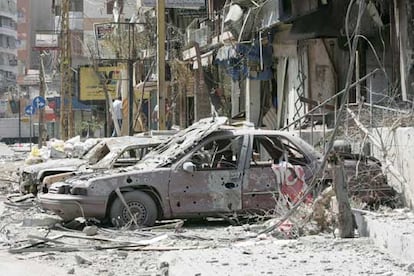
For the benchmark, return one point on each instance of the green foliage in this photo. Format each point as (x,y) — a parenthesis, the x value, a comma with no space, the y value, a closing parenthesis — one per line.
(88,126)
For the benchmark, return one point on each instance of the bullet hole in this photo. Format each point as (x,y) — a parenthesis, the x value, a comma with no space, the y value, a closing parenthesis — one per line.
(194,202)
(230,205)
(129,180)
(178,204)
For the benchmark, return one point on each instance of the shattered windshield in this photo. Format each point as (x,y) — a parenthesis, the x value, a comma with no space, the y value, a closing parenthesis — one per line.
(182,142)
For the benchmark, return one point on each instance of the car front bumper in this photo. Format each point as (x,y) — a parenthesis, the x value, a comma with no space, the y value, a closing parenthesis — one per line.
(69,207)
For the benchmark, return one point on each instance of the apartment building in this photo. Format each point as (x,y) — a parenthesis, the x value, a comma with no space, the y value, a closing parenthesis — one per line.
(8,47)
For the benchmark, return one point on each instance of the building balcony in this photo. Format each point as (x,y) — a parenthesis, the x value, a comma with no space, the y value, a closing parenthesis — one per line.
(9,14)
(8,50)
(8,31)
(8,68)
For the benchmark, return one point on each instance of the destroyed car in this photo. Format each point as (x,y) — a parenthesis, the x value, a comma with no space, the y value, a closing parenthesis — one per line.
(109,153)
(208,169)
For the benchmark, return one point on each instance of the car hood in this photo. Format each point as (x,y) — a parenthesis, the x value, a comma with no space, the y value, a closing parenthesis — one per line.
(71,163)
(105,182)
(84,176)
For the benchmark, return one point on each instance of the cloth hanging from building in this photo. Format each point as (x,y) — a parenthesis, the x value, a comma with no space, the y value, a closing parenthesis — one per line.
(240,59)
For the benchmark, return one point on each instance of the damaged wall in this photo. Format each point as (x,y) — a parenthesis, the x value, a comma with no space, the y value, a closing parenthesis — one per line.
(322,73)
(286,53)
(404,11)
(305,68)
(400,151)
(379,86)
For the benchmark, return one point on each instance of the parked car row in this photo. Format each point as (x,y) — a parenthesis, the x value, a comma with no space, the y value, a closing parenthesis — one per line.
(208,169)
(105,154)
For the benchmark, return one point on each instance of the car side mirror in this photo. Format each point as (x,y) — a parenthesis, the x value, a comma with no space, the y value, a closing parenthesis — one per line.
(189,167)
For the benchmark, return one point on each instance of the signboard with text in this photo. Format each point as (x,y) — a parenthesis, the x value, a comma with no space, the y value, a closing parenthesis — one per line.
(183,4)
(90,87)
(103,30)
(46,41)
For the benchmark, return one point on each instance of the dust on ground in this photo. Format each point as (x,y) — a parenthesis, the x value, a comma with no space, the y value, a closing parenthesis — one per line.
(35,242)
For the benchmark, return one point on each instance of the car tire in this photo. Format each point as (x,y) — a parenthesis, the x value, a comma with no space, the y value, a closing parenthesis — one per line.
(141,205)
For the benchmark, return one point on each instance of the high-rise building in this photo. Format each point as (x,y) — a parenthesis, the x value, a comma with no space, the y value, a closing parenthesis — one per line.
(32,17)
(8,47)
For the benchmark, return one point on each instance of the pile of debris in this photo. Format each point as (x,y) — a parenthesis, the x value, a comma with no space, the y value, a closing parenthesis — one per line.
(57,149)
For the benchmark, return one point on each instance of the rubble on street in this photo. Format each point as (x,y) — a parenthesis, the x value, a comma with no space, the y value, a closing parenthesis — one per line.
(302,245)
(206,137)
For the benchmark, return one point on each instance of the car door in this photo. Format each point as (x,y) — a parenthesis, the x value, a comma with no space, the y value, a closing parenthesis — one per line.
(203,182)
(261,186)
(276,166)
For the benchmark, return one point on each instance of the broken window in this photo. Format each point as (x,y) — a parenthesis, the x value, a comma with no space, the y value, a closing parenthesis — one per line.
(293,154)
(223,153)
(266,151)
(110,6)
(130,157)
(275,149)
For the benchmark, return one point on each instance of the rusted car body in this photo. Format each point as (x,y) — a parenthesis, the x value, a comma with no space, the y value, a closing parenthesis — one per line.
(208,169)
(108,153)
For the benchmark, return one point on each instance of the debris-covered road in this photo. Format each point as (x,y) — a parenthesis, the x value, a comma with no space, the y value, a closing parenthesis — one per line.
(33,242)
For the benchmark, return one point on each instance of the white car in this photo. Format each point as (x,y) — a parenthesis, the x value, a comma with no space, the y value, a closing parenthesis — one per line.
(109,153)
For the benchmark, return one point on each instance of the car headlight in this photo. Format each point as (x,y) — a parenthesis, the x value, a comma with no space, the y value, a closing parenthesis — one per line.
(63,189)
(79,191)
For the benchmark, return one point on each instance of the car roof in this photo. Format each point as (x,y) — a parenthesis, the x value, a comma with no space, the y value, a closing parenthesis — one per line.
(292,136)
(183,140)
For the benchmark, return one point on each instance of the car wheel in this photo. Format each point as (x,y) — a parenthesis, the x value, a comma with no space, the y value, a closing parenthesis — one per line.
(140,204)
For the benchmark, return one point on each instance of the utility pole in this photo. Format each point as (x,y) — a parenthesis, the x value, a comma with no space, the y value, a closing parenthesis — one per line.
(161,94)
(41,94)
(202,102)
(66,116)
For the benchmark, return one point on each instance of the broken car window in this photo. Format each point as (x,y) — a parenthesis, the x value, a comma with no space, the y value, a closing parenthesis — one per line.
(220,153)
(267,150)
(294,155)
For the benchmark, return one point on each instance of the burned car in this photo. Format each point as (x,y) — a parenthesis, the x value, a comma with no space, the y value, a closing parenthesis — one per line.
(108,153)
(208,169)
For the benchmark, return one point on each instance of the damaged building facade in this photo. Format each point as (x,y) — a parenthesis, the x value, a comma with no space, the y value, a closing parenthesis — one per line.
(295,54)
(286,64)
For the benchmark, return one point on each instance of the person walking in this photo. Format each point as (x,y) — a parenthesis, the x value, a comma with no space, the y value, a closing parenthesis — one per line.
(117,109)
(168,115)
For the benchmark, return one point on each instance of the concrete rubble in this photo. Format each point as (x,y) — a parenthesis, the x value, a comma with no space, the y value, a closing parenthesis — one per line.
(302,245)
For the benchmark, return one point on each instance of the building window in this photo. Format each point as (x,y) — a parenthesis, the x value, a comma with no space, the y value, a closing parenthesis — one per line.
(110,6)
(75,6)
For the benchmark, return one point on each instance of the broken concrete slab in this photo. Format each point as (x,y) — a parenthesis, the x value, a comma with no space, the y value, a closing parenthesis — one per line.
(41,220)
(393,231)
(90,230)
